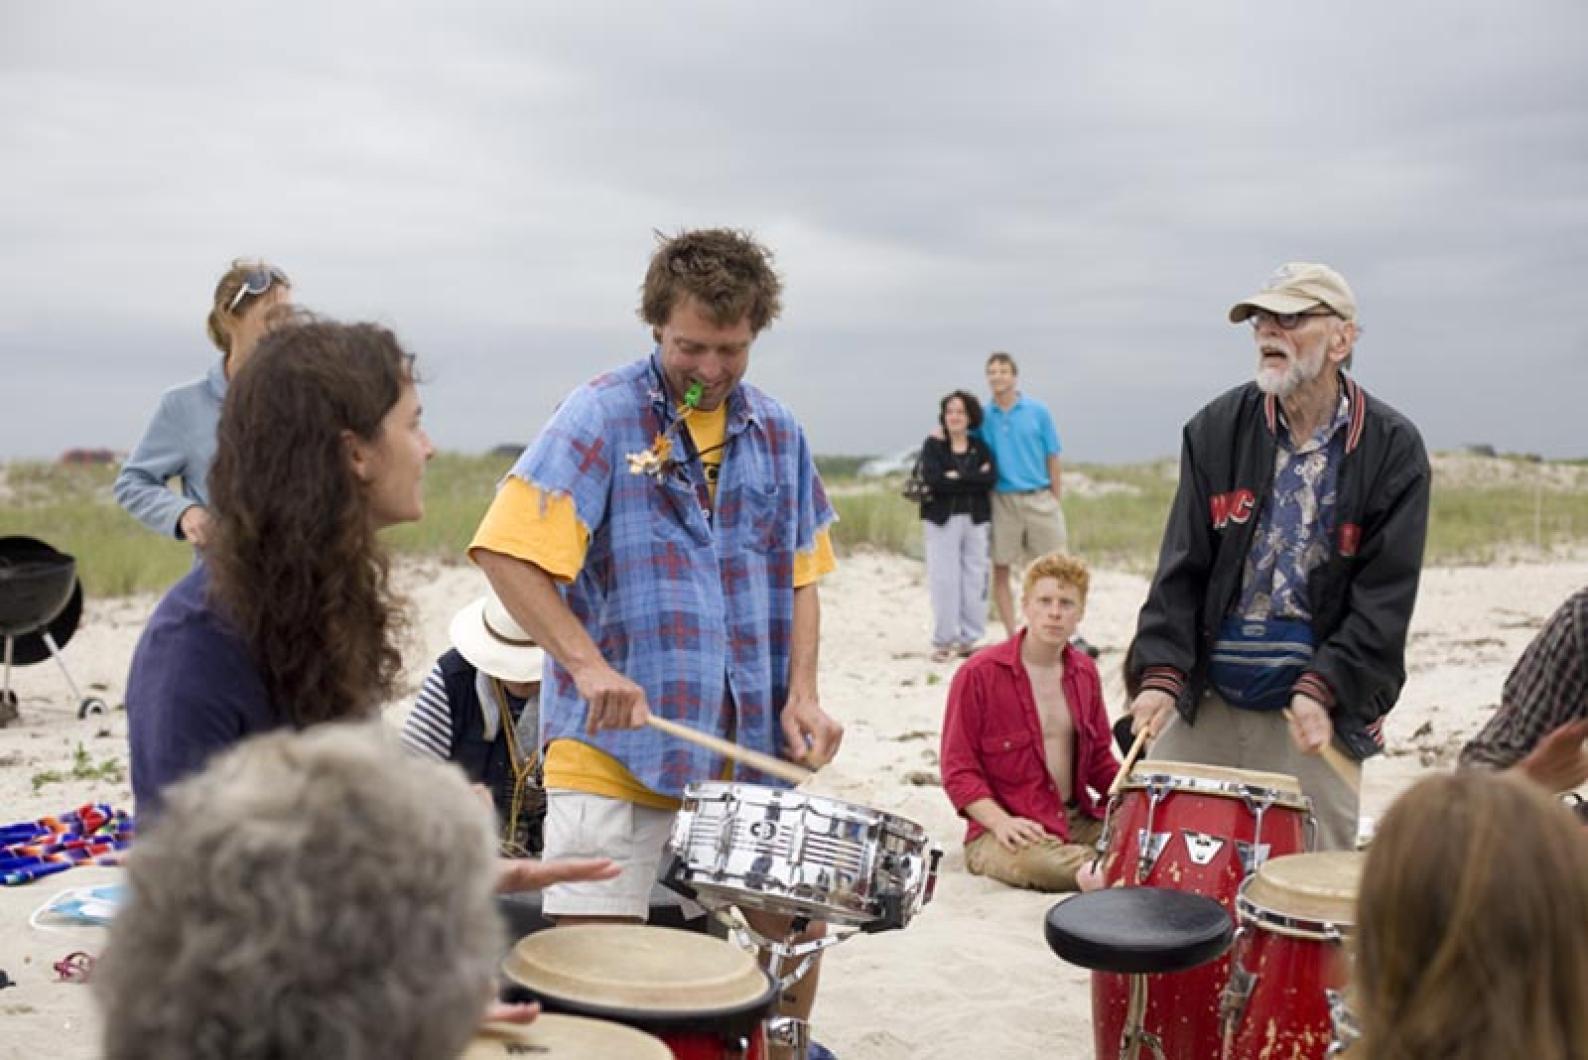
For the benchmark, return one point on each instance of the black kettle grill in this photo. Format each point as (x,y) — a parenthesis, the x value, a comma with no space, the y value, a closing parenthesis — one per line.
(41,602)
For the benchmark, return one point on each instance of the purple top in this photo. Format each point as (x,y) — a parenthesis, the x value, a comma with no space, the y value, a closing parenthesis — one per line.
(193,691)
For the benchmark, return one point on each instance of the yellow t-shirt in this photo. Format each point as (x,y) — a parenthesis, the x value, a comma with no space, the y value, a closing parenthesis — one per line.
(545,530)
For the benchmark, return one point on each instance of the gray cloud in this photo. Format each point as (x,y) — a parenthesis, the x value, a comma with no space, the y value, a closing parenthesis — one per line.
(1086,186)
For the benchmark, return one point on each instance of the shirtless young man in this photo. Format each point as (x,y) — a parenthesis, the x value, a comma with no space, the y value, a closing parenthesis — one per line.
(1027,751)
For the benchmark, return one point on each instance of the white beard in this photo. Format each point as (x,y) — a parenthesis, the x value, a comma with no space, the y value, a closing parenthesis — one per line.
(1282,383)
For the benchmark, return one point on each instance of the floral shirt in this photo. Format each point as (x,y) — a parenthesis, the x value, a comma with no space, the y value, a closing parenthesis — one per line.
(1297,524)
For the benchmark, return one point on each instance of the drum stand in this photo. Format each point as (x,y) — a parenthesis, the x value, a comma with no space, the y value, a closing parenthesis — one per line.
(787,962)
(1135,931)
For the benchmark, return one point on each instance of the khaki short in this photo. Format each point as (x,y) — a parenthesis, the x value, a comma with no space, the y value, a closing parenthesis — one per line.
(1025,526)
(580,825)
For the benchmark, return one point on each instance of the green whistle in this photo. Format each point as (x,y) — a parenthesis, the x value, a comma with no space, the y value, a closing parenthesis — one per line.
(693,395)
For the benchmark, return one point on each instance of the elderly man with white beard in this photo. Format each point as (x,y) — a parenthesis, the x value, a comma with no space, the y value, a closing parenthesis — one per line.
(1290,562)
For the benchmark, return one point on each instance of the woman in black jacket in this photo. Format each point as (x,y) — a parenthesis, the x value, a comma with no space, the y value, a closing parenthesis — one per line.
(959,473)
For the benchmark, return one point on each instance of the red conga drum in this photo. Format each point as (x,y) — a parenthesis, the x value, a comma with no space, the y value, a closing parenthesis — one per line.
(703,997)
(1289,956)
(553,1037)
(1201,829)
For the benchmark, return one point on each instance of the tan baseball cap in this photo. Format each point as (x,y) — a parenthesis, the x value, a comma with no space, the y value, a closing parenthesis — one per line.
(1297,287)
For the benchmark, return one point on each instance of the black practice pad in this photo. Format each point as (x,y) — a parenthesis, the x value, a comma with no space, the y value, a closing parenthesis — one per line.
(1133,930)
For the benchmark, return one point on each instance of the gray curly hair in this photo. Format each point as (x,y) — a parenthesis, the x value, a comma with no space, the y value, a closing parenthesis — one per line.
(315,894)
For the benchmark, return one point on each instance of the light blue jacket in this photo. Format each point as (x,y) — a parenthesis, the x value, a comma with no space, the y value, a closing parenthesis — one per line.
(178,443)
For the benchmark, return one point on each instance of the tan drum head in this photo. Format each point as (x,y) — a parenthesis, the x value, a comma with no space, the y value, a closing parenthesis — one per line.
(1317,887)
(1280,782)
(635,967)
(556,1037)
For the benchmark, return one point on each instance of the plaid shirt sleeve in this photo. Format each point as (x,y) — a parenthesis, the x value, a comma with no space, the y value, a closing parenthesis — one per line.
(1547,689)
(574,456)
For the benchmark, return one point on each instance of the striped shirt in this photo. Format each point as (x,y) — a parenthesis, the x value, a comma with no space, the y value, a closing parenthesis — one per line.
(1547,689)
(428,730)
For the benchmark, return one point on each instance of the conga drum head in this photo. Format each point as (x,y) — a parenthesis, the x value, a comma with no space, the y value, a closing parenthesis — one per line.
(626,969)
(1312,893)
(556,1037)
(1215,780)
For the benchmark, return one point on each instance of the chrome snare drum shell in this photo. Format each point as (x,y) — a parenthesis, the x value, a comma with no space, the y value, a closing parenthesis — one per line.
(799,854)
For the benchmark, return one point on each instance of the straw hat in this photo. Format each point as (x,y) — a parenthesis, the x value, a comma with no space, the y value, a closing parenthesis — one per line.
(486,635)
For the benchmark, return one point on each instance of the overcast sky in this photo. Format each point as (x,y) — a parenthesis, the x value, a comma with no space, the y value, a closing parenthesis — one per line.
(1086,185)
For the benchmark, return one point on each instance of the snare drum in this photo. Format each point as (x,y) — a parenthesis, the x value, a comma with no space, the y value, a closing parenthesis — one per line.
(796,854)
(703,997)
(554,1037)
(1289,957)
(1203,829)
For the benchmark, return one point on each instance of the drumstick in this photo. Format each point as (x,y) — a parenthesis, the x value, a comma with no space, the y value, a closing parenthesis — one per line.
(1130,760)
(1348,770)
(777,767)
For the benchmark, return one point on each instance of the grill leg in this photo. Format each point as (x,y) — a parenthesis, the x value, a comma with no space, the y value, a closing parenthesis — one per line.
(8,699)
(49,641)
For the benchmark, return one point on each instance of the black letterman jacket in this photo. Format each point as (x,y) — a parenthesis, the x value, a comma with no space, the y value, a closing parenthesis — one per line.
(1361,595)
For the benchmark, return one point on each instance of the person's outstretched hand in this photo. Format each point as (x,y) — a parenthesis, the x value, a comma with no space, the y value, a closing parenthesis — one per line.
(533,874)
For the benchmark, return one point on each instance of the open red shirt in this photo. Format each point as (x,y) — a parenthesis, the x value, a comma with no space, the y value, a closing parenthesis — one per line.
(992,739)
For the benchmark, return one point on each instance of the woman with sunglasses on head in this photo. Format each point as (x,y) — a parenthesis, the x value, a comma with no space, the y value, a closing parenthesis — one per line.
(180,440)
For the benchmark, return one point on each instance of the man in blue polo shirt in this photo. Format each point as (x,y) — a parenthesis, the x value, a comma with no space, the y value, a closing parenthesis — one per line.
(1027,521)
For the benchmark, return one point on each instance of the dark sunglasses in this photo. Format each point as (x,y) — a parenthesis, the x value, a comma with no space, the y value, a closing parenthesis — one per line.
(1287,321)
(256,282)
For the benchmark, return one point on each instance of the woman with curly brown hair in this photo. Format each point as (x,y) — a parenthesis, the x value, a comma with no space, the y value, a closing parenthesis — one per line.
(291,619)
(1472,926)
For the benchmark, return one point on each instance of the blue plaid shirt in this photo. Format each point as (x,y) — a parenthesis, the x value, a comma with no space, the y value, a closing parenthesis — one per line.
(696,609)
(1297,523)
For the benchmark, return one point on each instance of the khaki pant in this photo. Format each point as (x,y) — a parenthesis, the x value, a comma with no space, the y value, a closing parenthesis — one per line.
(1026,526)
(1050,865)
(1260,739)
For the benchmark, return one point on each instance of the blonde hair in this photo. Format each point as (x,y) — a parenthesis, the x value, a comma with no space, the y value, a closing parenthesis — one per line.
(218,323)
(1062,568)
(1472,933)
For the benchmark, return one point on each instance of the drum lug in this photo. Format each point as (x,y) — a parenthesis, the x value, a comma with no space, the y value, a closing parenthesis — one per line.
(1108,825)
(1252,856)
(1201,847)
(791,1033)
(725,832)
(1232,1004)
(1346,1028)
(1151,845)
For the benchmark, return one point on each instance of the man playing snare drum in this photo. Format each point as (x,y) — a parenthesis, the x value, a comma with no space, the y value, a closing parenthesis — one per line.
(1290,561)
(662,539)
(1027,749)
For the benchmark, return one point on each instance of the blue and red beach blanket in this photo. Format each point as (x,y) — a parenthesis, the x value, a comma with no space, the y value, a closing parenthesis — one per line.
(92,834)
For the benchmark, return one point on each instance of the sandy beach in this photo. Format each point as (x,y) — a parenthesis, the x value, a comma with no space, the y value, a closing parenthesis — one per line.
(970,976)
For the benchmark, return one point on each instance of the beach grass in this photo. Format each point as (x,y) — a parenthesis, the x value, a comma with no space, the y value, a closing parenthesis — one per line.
(1116,520)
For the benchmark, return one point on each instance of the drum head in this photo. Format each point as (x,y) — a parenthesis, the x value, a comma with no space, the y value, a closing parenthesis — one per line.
(637,970)
(1196,771)
(557,1037)
(1308,887)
